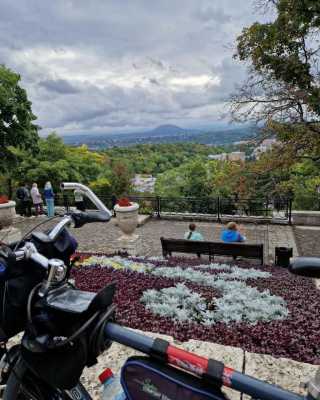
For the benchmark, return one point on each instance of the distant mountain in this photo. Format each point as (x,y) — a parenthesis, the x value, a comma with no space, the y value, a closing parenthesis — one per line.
(162,134)
(168,130)
(226,136)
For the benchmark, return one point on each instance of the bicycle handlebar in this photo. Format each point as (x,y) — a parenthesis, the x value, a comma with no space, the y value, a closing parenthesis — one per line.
(199,366)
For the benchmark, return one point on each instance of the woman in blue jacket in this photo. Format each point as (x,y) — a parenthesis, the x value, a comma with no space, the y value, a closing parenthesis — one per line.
(49,197)
(232,234)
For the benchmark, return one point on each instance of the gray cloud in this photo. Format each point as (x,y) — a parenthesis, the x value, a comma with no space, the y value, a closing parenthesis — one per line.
(214,14)
(106,66)
(59,85)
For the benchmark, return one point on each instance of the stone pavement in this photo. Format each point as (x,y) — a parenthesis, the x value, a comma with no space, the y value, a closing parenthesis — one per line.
(102,237)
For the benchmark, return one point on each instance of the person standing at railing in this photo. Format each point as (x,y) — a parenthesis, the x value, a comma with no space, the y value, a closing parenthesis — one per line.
(78,199)
(232,234)
(36,199)
(49,197)
(192,234)
(24,200)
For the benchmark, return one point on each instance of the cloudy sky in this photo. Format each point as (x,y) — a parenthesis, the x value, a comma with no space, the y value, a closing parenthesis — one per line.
(121,65)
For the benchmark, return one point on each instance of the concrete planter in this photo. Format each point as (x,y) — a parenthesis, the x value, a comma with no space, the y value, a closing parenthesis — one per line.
(7,213)
(127,218)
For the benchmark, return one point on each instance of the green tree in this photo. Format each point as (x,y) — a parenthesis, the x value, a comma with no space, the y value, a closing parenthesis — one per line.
(57,162)
(284,84)
(17,130)
(283,91)
(191,179)
(120,179)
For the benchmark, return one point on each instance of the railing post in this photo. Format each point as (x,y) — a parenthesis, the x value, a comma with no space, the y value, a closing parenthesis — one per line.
(290,210)
(66,202)
(267,206)
(158,207)
(218,211)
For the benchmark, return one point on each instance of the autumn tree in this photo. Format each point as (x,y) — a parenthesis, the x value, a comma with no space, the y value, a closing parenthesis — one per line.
(283,86)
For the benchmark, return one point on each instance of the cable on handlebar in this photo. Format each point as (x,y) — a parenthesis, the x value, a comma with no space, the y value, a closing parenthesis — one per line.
(97,342)
(29,304)
(32,229)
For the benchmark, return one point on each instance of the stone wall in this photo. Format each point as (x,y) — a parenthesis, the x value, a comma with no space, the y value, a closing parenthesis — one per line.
(309,218)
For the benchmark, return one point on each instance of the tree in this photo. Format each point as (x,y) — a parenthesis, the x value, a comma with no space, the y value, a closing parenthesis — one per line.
(284,83)
(120,179)
(57,162)
(17,130)
(282,90)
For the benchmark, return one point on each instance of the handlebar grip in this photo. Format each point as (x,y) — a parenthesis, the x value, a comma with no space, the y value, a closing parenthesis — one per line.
(82,218)
(305,266)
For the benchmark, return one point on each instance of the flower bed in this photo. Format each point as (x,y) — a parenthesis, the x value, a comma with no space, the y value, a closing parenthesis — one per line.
(263,310)
(4,199)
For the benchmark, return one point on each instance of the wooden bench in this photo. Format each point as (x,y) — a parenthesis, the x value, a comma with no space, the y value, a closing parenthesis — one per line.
(211,249)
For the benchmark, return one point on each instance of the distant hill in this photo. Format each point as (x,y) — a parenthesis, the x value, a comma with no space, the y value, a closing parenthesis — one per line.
(225,136)
(162,134)
(169,130)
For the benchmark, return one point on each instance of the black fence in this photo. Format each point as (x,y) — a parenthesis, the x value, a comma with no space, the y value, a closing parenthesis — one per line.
(309,202)
(218,208)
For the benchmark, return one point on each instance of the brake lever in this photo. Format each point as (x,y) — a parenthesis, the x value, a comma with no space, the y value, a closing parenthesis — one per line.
(76,218)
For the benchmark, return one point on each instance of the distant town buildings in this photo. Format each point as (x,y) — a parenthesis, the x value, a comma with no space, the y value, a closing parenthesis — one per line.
(237,156)
(242,142)
(266,145)
(234,156)
(143,183)
(219,157)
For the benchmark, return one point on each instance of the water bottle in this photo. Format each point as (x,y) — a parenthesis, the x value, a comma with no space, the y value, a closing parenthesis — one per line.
(111,386)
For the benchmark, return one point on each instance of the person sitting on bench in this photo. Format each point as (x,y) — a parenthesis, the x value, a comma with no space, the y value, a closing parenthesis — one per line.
(192,234)
(232,234)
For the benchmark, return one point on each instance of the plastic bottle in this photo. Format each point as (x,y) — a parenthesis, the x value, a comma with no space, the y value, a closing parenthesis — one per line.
(111,386)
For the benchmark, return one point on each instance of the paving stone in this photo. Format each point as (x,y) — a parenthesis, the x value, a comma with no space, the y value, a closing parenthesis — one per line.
(279,371)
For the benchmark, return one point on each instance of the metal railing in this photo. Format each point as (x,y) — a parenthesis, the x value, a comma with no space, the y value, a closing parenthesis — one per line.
(217,208)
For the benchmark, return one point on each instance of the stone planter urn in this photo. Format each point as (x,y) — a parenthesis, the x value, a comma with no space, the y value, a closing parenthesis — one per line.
(7,213)
(8,234)
(127,218)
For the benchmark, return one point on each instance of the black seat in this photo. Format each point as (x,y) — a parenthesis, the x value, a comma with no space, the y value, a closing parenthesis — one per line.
(306,266)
